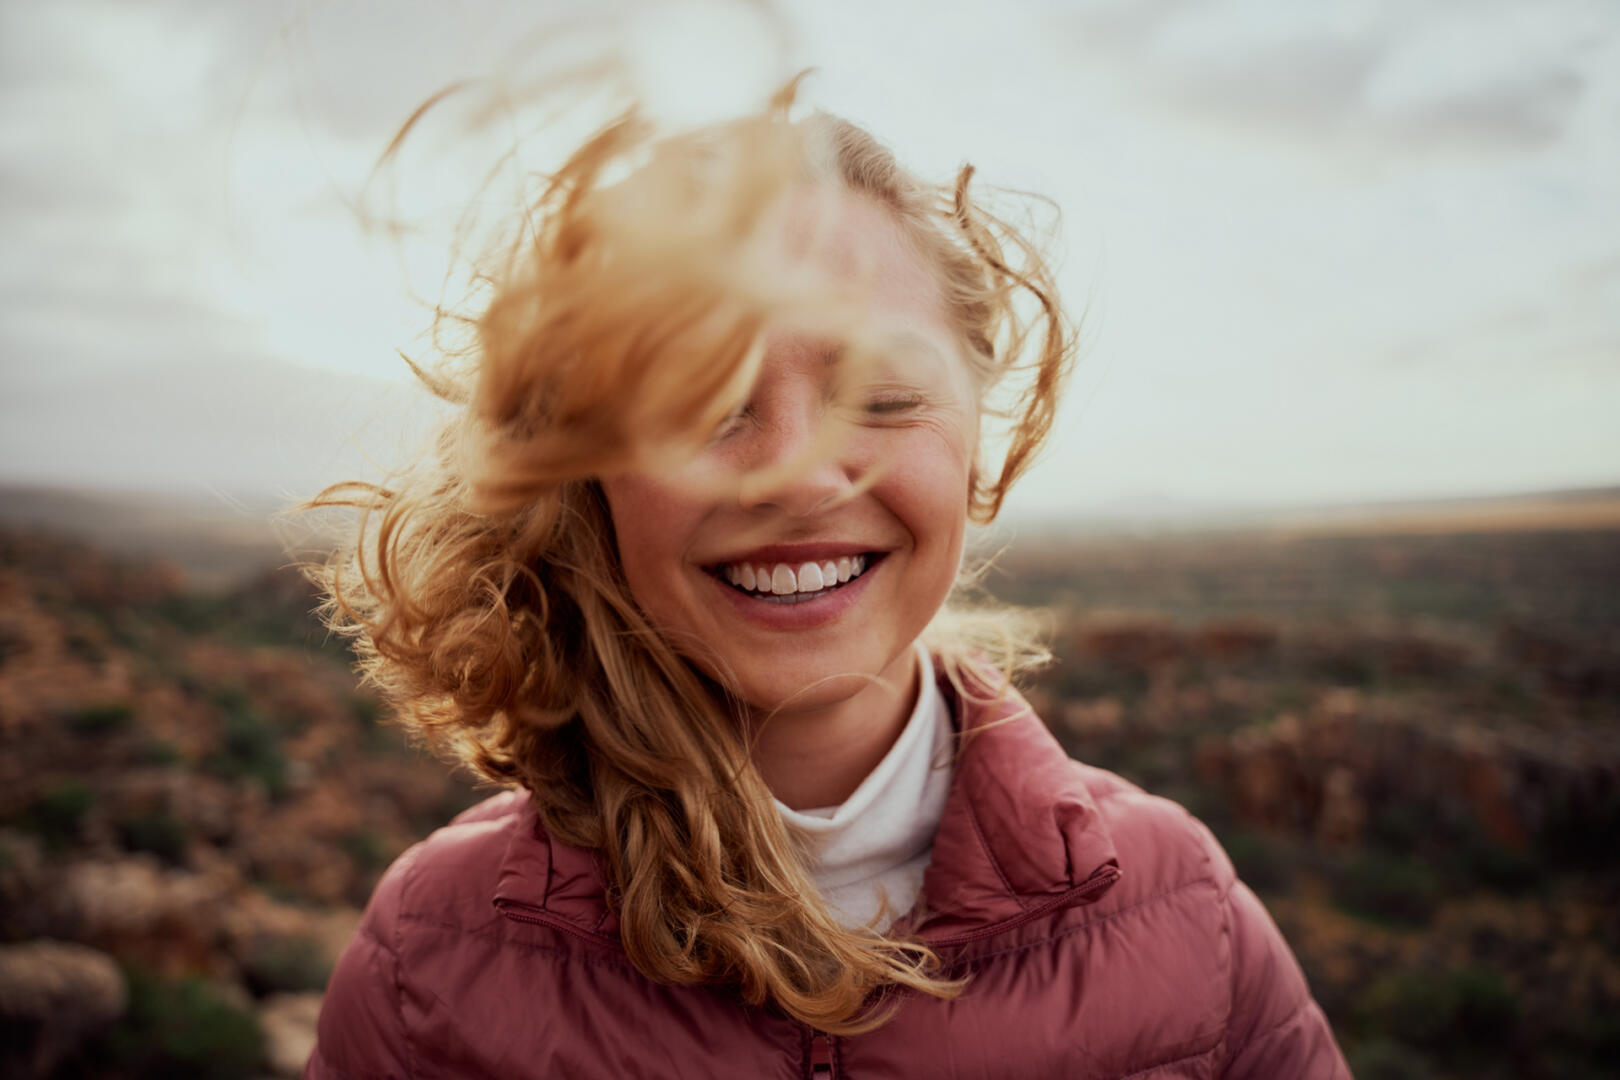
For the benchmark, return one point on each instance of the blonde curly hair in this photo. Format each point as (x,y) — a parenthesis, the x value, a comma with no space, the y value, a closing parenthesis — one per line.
(483,592)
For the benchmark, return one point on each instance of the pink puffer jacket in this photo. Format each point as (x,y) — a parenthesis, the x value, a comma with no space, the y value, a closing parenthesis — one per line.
(1104,928)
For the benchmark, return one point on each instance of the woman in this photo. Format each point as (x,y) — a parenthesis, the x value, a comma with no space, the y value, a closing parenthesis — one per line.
(677,574)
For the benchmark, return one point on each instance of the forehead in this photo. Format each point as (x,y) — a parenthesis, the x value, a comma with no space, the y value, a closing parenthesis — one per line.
(851,309)
(857,244)
(853,245)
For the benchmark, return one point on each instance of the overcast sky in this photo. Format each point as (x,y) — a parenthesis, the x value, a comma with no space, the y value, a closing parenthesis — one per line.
(1325,252)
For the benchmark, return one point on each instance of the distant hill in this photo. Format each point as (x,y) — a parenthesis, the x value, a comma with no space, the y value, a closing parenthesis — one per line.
(1550,511)
(1536,511)
(219,539)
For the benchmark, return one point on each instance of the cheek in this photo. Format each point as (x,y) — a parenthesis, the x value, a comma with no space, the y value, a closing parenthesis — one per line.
(652,525)
(927,489)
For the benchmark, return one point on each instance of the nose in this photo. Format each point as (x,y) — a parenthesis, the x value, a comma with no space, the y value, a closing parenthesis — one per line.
(796,463)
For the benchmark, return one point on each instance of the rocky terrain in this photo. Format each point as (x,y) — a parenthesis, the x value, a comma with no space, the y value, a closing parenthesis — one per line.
(1409,744)
(195,801)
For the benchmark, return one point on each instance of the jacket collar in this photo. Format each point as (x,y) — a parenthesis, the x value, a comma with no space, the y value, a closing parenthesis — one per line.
(1020,835)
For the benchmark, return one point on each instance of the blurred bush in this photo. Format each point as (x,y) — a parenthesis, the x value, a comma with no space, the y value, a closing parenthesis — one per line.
(57,816)
(174,1029)
(101,718)
(1388,887)
(251,748)
(281,965)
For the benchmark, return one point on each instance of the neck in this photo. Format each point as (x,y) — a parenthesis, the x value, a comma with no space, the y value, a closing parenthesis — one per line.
(818,756)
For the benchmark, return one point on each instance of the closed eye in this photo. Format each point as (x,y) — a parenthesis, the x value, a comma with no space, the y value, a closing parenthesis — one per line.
(732,421)
(891,404)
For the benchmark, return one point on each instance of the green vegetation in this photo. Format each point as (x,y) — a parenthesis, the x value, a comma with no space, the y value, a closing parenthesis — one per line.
(1268,864)
(371,718)
(101,718)
(367,849)
(286,966)
(1386,1059)
(1388,888)
(87,645)
(154,831)
(57,815)
(174,1029)
(158,752)
(251,749)
(1456,1016)
(367,711)
(272,610)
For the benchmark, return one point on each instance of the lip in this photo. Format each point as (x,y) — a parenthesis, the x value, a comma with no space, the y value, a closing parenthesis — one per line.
(798,553)
(809,614)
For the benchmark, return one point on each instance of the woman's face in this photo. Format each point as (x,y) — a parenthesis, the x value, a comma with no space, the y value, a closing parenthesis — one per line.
(798,587)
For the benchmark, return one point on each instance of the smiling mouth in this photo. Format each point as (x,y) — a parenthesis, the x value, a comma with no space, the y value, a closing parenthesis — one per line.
(794,583)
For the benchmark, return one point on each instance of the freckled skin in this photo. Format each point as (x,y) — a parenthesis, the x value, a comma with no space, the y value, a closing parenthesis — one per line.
(833,721)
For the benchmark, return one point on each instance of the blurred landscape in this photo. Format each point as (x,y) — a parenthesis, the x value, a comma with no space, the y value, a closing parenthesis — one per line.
(1402,721)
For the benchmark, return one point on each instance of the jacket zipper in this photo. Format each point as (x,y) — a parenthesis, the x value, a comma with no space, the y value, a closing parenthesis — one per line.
(527,913)
(823,1062)
(1093,885)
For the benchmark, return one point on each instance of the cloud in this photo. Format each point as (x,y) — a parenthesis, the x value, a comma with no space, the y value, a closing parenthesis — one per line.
(1567,331)
(235,420)
(1396,80)
(103,178)
(172,179)
(1525,116)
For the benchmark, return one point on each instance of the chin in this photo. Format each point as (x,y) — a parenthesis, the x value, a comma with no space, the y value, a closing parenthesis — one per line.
(770,694)
(807,687)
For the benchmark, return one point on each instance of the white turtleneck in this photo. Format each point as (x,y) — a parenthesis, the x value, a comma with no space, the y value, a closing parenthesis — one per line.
(876,843)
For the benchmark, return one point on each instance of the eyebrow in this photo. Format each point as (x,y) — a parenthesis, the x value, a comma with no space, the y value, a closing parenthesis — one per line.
(912,339)
(906,339)
(833,355)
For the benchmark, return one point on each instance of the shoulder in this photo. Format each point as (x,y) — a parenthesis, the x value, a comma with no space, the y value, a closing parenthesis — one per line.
(438,888)
(450,875)
(1162,846)
(502,806)
(1172,901)
(1178,890)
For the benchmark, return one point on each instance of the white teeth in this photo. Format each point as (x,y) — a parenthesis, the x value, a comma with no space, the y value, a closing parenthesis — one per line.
(783,579)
